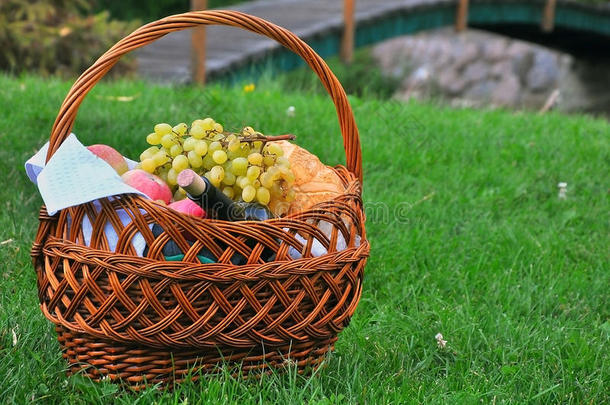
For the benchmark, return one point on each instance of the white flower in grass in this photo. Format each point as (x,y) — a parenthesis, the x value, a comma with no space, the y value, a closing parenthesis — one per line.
(563,189)
(291,111)
(439,341)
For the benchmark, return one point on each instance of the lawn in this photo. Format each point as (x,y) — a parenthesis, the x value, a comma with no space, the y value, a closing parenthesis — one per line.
(468,238)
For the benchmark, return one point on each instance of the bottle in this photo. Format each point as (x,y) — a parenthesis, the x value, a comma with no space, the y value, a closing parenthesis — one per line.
(215,202)
(219,206)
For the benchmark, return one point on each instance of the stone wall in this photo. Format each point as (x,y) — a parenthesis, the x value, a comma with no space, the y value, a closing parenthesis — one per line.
(477,68)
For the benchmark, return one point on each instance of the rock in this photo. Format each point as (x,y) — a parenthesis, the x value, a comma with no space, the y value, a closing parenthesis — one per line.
(465,54)
(447,77)
(476,72)
(457,87)
(495,50)
(521,56)
(477,68)
(481,90)
(501,69)
(389,53)
(507,93)
(443,57)
(451,82)
(544,73)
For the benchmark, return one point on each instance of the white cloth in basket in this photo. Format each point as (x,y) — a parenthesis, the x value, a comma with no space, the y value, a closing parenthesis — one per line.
(74,176)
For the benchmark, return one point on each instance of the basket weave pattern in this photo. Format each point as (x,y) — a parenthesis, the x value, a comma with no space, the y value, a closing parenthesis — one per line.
(143,319)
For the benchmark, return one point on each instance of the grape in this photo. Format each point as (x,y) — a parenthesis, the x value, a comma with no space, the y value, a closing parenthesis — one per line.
(195,160)
(244,149)
(233,145)
(229,192)
(228,166)
(287,175)
(248,131)
(240,166)
(232,155)
(214,180)
(253,172)
(255,158)
(219,156)
(266,180)
(217,173)
(153,139)
(207,124)
(175,150)
(167,141)
(274,173)
(180,129)
(160,158)
(149,165)
(257,145)
(282,161)
(218,128)
(231,137)
(172,177)
(242,181)
(180,163)
(162,173)
(269,160)
(263,195)
(229,178)
(197,131)
(214,146)
(208,162)
(163,129)
(201,148)
(180,194)
(189,144)
(275,149)
(248,193)
(148,153)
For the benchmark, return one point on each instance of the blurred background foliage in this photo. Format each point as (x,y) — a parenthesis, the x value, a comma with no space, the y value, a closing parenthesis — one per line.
(57,36)
(64,37)
(147,11)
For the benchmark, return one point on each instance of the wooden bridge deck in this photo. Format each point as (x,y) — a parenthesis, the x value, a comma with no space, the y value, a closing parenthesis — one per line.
(169,59)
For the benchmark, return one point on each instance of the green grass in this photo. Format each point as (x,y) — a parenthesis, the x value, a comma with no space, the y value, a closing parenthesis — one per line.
(475,245)
(377,84)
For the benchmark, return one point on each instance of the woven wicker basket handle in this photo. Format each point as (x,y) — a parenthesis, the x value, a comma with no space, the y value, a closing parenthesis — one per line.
(155,30)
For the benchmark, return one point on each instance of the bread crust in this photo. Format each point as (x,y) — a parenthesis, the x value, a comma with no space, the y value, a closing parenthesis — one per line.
(314,181)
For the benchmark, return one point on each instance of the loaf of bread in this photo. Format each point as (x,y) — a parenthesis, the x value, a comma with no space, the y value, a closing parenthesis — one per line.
(314,181)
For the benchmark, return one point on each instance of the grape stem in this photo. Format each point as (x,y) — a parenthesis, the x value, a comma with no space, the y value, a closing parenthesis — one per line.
(286,137)
(263,138)
(266,139)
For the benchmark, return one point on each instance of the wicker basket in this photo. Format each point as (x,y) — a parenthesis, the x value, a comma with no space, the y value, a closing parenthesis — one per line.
(145,320)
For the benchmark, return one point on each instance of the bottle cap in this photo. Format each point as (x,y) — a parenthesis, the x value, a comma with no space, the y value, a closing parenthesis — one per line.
(191,182)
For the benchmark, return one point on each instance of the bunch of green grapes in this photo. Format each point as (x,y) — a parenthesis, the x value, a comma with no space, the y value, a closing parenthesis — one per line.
(245,166)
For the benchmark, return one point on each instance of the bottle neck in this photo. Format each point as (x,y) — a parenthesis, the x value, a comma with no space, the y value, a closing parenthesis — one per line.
(219,206)
(214,201)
